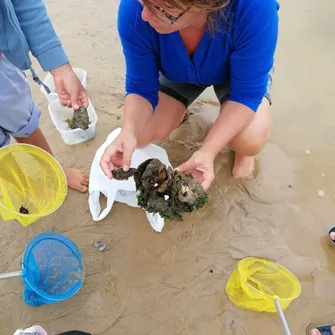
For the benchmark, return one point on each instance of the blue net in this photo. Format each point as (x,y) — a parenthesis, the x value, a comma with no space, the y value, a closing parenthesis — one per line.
(52,269)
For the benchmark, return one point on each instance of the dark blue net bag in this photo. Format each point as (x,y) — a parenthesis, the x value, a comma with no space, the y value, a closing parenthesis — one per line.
(52,270)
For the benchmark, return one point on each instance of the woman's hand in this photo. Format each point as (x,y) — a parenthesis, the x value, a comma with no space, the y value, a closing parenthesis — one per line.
(69,88)
(118,153)
(201,165)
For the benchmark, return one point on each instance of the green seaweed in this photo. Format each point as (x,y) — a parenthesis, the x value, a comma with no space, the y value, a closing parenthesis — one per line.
(165,191)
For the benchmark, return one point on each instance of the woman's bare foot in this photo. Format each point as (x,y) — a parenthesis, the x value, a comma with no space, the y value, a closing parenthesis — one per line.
(76,179)
(316,332)
(243,166)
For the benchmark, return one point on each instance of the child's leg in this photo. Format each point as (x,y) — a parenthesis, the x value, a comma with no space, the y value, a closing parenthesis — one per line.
(76,179)
(19,117)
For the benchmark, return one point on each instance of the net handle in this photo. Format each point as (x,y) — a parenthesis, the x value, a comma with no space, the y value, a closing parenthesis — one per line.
(11,274)
(282,317)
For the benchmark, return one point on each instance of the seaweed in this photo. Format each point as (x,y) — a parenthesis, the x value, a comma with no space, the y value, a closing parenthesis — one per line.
(80,119)
(163,190)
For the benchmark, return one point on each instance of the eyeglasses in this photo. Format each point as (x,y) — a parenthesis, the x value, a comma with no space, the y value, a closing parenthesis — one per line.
(157,9)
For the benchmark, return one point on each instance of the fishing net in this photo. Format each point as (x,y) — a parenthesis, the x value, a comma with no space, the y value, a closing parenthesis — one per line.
(32,183)
(52,269)
(256,283)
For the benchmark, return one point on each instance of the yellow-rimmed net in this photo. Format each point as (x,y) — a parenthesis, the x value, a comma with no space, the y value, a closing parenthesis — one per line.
(256,283)
(30,178)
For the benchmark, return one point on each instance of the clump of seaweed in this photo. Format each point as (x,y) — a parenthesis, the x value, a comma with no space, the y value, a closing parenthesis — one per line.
(163,190)
(80,119)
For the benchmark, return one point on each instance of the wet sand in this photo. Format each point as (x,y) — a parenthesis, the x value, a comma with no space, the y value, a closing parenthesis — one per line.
(146,283)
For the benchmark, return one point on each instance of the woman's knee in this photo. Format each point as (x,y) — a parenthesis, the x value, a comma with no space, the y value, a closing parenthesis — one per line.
(155,134)
(160,135)
(249,145)
(253,138)
(168,115)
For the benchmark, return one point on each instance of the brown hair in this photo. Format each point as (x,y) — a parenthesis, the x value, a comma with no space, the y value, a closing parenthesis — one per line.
(214,9)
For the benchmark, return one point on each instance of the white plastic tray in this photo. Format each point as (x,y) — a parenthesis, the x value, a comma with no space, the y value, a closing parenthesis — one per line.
(60,114)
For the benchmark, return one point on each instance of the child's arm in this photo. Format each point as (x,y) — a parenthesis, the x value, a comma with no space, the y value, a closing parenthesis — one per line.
(42,39)
(45,45)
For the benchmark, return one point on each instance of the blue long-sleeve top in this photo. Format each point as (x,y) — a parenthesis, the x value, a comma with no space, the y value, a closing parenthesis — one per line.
(241,52)
(25,27)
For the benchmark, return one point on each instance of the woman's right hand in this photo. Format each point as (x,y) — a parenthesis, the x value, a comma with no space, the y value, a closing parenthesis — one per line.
(118,153)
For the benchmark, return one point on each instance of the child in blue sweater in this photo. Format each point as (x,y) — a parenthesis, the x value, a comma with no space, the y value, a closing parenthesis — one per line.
(25,27)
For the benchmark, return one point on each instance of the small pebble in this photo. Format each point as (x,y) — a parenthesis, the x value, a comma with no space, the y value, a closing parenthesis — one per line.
(102,247)
(156,185)
(166,197)
(321,193)
(211,271)
(307,152)
(97,244)
(322,174)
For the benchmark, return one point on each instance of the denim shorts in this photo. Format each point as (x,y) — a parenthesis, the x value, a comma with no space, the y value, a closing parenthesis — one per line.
(19,114)
(188,93)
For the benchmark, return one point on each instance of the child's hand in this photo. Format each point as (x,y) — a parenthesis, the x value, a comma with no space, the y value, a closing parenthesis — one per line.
(70,90)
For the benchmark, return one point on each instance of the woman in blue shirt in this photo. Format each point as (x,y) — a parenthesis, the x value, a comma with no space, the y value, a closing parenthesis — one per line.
(173,50)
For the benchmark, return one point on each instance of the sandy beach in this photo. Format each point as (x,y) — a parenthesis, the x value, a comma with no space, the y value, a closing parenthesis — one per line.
(173,283)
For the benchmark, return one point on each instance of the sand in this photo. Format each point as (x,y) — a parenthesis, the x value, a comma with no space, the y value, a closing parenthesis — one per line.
(146,283)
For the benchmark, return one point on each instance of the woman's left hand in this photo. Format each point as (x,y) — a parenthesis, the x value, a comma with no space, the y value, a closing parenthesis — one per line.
(69,88)
(201,165)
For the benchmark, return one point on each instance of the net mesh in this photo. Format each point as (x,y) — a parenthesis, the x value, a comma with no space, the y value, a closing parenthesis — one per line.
(52,269)
(32,179)
(256,282)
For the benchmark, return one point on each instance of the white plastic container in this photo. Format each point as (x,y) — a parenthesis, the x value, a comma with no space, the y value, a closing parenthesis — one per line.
(60,114)
(49,81)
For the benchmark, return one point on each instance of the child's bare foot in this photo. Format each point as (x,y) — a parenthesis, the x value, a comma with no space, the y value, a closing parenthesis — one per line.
(76,179)
(243,166)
